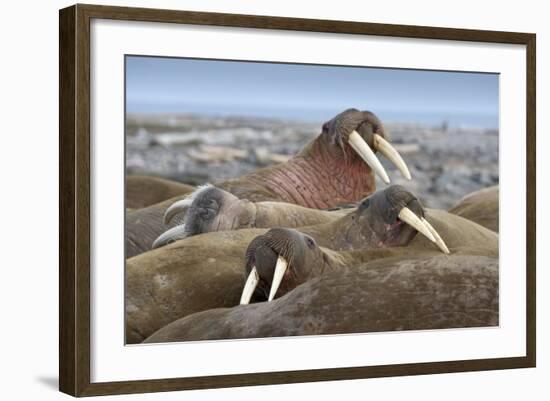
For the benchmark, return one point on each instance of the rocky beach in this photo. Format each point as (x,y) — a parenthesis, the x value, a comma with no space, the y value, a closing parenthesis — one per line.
(446,162)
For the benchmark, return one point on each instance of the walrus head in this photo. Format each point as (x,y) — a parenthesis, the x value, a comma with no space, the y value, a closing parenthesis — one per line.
(207,209)
(356,135)
(387,218)
(281,259)
(278,261)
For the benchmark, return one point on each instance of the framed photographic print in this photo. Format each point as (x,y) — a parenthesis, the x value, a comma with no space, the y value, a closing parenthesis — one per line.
(347,200)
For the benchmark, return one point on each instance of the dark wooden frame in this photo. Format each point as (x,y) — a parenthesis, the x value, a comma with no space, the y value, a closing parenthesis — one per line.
(74,202)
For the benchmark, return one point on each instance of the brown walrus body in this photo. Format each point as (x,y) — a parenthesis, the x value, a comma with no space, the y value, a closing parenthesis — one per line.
(188,276)
(143,226)
(143,191)
(206,271)
(481,206)
(421,293)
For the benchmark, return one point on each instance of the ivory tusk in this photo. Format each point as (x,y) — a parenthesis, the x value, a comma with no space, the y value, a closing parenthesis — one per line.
(171,235)
(386,148)
(175,209)
(250,286)
(413,220)
(438,240)
(280,269)
(362,148)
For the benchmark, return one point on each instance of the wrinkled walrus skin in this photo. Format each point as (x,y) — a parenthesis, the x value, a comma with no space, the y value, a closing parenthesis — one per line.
(207,271)
(439,292)
(481,207)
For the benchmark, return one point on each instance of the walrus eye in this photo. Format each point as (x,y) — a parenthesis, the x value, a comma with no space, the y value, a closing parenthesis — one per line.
(310,242)
(365,204)
(208,213)
(212,204)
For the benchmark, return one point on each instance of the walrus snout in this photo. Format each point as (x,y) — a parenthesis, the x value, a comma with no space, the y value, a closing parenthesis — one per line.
(276,263)
(206,197)
(364,122)
(364,133)
(398,195)
(395,215)
(410,210)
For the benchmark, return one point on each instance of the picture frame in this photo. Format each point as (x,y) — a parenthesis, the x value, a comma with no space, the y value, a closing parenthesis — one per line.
(76,198)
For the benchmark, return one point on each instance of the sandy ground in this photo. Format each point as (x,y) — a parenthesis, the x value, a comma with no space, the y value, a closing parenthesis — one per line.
(445,163)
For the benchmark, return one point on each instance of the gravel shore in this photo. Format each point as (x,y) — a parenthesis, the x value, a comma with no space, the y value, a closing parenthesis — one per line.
(445,163)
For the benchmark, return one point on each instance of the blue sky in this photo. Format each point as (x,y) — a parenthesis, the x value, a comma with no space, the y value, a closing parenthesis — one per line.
(308,92)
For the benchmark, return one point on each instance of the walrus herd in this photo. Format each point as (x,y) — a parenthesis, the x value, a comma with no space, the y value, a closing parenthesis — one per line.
(307,247)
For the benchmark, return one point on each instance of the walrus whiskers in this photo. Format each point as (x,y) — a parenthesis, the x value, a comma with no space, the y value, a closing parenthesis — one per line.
(183,204)
(175,209)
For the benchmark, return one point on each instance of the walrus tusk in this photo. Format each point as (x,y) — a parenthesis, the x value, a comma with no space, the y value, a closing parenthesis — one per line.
(280,269)
(250,286)
(386,148)
(175,209)
(438,240)
(171,235)
(362,148)
(413,220)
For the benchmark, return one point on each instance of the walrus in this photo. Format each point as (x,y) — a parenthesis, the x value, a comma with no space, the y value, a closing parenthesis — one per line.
(205,271)
(143,191)
(211,209)
(480,206)
(437,292)
(333,169)
(208,209)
